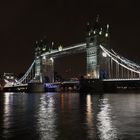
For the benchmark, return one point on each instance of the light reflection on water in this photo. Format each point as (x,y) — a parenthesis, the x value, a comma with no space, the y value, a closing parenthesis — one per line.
(7,112)
(69,116)
(46,117)
(89,118)
(105,127)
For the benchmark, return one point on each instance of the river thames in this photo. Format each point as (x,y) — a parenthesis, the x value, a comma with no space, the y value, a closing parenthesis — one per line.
(69,116)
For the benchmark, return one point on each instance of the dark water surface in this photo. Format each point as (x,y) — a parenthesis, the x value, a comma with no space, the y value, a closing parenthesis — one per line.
(69,116)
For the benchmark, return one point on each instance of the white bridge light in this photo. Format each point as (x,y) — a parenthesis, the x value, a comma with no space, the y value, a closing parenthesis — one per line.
(44,57)
(106,35)
(104,54)
(60,48)
(51,59)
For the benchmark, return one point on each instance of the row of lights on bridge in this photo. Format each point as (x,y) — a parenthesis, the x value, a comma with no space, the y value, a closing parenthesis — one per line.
(42,49)
(97,28)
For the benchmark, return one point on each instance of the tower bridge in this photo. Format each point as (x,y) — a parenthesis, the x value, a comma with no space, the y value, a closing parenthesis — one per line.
(102,63)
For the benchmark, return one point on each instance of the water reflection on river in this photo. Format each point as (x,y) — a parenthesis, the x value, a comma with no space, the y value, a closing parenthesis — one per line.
(69,116)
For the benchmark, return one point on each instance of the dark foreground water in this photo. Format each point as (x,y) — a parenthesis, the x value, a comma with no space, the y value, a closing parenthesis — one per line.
(69,116)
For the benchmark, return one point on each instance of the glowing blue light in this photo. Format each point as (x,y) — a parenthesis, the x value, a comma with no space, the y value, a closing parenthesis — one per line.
(50,85)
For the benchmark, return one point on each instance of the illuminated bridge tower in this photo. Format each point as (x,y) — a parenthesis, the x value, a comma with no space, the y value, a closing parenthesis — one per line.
(38,63)
(98,64)
(44,66)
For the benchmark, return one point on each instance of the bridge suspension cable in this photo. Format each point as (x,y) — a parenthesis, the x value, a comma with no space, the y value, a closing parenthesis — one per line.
(28,76)
(132,67)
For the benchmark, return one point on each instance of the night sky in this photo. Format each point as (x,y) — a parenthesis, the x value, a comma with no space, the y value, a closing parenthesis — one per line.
(22,22)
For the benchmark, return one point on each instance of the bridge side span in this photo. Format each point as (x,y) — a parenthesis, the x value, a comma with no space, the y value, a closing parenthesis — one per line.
(123,62)
(28,76)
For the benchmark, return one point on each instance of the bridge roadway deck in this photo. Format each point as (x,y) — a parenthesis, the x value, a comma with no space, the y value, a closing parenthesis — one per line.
(115,85)
(108,85)
(16,88)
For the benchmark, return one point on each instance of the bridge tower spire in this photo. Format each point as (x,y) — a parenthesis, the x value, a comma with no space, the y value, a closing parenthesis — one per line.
(97,67)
